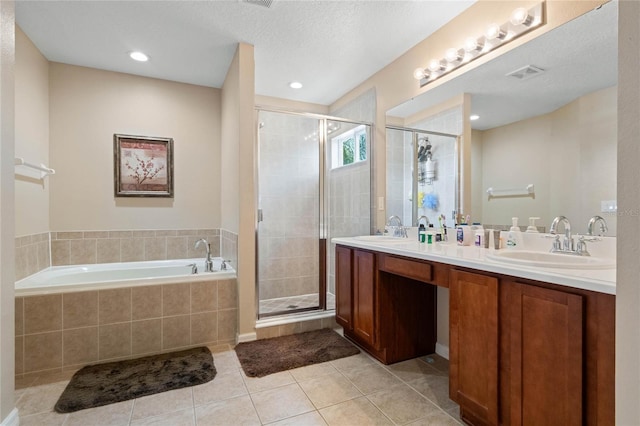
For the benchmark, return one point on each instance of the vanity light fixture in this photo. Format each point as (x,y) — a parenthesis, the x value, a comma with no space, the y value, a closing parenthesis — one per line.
(520,22)
(295,85)
(138,56)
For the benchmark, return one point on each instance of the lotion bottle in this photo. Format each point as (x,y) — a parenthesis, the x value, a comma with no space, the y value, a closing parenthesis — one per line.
(514,237)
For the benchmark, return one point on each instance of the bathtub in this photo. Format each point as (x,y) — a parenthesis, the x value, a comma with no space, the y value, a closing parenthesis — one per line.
(66,279)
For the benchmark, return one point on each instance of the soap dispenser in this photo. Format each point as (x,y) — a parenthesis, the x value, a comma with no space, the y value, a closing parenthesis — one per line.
(532,228)
(514,237)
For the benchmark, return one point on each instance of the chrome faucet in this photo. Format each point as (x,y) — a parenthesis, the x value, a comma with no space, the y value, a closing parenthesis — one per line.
(593,221)
(208,264)
(398,230)
(567,245)
(426,219)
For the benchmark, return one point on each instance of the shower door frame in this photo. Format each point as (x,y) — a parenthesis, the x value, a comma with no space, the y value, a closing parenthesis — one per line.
(414,178)
(323,191)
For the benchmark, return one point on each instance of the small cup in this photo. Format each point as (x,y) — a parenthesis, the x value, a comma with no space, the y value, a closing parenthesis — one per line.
(487,232)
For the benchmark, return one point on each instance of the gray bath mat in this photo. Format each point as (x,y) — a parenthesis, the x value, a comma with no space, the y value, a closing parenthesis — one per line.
(102,384)
(268,356)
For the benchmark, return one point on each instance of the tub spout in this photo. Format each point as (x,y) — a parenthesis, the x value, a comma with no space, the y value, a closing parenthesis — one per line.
(208,263)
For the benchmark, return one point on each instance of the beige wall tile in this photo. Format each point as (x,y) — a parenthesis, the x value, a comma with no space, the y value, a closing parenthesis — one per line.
(82,252)
(144,234)
(227,294)
(155,248)
(204,296)
(120,234)
(80,346)
(79,309)
(166,233)
(146,336)
(42,313)
(175,332)
(267,332)
(19,355)
(96,234)
(204,328)
(42,351)
(32,259)
(131,249)
(227,324)
(187,232)
(176,299)
(44,255)
(114,305)
(108,250)
(146,302)
(75,235)
(23,240)
(114,341)
(310,325)
(19,316)
(60,252)
(21,262)
(176,247)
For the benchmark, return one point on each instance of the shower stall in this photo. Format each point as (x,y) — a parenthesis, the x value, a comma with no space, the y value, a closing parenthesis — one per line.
(314,183)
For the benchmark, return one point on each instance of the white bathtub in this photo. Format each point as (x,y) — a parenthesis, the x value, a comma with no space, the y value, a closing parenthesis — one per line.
(65,279)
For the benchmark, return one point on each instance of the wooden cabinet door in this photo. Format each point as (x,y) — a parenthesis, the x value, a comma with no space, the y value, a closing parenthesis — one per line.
(344,299)
(473,357)
(546,356)
(364,296)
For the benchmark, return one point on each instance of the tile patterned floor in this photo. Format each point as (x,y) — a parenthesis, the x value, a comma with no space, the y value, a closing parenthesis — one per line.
(353,391)
(284,304)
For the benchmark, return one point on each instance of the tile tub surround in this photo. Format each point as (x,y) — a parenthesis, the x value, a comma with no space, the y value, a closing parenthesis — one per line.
(33,254)
(82,247)
(57,332)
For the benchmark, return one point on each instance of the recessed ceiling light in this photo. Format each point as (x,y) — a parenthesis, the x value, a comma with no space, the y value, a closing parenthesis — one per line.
(474,117)
(138,56)
(295,85)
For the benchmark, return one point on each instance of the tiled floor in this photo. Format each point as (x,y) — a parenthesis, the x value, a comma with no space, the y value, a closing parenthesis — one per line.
(350,391)
(284,304)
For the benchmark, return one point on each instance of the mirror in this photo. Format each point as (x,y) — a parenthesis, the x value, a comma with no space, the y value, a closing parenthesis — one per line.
(553,125)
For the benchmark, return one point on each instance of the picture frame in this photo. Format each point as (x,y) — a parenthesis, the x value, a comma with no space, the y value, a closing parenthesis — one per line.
(143,166)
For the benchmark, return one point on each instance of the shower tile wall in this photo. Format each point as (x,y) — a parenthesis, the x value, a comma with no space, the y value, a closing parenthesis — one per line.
(289,199)
(399,166)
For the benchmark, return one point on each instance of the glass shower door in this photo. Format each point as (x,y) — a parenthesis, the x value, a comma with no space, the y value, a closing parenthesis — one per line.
(290,248)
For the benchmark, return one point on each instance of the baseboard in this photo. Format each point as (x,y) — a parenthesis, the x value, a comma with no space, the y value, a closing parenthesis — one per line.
(247,337)
(442,350)
(12,419)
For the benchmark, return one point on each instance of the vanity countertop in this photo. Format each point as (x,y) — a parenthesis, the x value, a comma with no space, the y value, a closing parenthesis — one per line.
(600,280)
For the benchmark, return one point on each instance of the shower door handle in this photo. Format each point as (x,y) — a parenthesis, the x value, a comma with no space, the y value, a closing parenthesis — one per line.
(260,218)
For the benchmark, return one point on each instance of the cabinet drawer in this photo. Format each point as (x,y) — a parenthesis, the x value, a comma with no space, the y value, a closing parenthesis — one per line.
(408,268)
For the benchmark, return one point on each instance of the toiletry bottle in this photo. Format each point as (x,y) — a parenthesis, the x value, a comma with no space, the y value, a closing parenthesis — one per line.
(422,232)
(532,228)
(513,237)
(431,234)
(479,237)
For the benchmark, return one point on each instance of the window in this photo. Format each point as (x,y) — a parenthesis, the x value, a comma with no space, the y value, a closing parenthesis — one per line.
(349,147)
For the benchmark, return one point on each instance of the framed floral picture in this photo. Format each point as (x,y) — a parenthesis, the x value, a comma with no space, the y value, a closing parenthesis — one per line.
(143,166)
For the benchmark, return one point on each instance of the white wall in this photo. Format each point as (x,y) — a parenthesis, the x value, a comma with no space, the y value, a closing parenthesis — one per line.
(87,106)
(568,154)
(628,271)
(32,136)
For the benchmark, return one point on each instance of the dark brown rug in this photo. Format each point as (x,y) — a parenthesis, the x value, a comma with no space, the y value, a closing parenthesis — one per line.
(102,384)
(262,357)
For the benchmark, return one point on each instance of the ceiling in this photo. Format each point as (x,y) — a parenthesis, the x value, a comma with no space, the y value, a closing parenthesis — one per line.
(578,57)
(329,46)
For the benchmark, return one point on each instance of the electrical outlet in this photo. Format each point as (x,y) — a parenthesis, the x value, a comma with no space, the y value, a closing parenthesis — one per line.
(609,206)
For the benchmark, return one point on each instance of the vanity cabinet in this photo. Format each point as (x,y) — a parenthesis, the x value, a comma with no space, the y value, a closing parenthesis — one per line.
(474,345)
(385,303)
(530,353)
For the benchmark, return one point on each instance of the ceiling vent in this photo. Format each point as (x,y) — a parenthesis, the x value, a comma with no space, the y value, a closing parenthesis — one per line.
(263,3)
(525,72)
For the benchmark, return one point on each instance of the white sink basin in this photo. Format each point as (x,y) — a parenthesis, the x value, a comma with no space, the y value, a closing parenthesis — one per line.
(550,260)
(381,239)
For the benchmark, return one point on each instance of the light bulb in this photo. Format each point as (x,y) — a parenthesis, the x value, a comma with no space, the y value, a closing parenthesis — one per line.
(520,16)
(495,32)
(474,117)
(453,55)
(419,74)
(472,45)
(436,65)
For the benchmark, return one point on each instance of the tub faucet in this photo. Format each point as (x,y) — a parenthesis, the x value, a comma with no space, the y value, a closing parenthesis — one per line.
(208,264)
(567,245)
(593,221)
